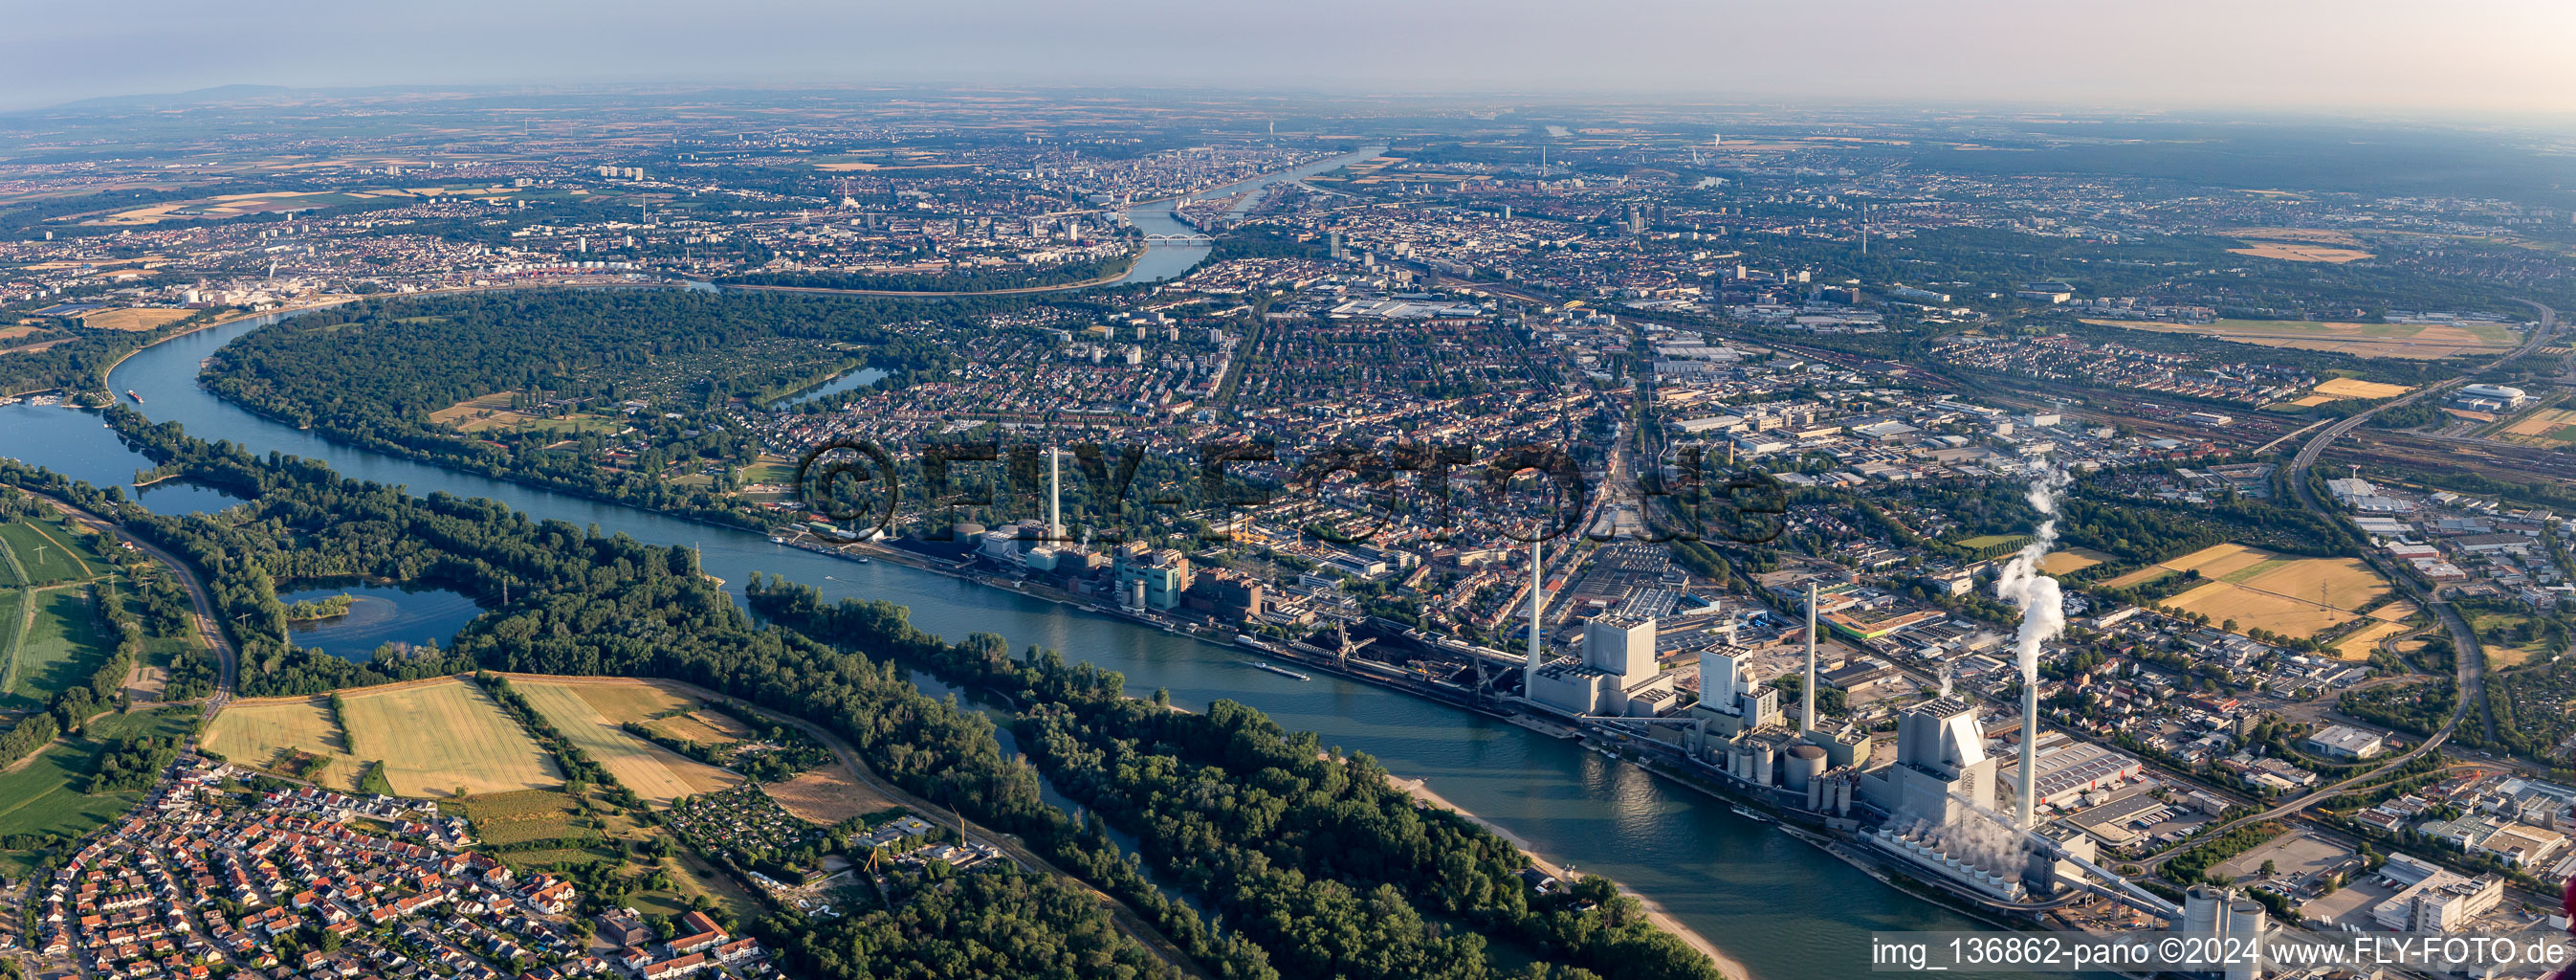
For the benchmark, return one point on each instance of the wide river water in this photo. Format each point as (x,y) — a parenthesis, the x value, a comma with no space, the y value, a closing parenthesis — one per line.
(1782,908)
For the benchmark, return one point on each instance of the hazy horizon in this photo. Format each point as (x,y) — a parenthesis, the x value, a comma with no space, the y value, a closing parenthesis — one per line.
(2478,57)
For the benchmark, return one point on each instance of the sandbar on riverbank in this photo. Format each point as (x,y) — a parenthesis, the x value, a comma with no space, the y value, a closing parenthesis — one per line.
(1655,913)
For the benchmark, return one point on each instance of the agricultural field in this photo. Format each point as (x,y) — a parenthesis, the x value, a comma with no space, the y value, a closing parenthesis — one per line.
(133,319)
(2548,428)
(521,816)
(493,412)
(1984,541)
(2358,645)
(60,643)
(2357,388)
(433,737)
(42,795)
(2301,245)
(2327,245)
(827,796)
(51,553)
(2415,341)
(703,727)
(288,736)
(2069,561)
(439,736)
(2294,597)
(590,713)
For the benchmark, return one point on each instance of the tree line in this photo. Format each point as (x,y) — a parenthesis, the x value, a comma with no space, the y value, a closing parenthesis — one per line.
(585,603)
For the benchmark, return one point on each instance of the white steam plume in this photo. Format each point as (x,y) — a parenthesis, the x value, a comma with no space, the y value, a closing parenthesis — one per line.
(2043,614)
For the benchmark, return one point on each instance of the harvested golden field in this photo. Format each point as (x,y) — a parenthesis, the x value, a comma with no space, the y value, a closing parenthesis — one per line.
(827,796)
(2071,560)
(621,700)
(2313,236)
(2395,611)
(269,733)
(491,411)
(439,736)
(133,318)
(2259,589)
(656,774)
(2355,388)
(2413,341)
(2547,428)
(702,727)
(2361,642)
(2292,252)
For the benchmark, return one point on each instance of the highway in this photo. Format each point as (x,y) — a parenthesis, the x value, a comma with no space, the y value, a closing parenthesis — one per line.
(2467,655)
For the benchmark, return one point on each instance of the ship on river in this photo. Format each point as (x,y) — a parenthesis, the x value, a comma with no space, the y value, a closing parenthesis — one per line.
(1281,671)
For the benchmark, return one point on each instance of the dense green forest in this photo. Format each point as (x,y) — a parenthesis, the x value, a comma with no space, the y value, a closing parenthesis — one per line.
(79,363)
(1321,860)
(371,373)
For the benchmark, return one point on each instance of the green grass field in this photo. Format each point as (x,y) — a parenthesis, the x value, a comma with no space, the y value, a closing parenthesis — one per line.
(62,646)
(40,796)
(43,796)
(1987,540)
(13,619)
(46,553)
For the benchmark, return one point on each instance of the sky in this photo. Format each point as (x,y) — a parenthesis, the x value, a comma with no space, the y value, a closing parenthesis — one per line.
(2460,56)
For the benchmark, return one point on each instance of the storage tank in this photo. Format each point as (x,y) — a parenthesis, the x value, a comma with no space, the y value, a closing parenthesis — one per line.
(2200,911)
(1806,764)
(1762,761)
(2245,920)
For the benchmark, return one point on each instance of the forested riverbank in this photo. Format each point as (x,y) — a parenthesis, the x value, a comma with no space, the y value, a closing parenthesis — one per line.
(1355,874)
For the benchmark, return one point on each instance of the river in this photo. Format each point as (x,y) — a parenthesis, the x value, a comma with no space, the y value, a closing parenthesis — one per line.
(1164,260)
(1784,909)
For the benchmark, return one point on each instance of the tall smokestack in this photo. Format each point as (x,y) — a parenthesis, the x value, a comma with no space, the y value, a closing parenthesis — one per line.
(2029,745)
(1807,693)
(1538,584)
(2043,617)
(1055,499)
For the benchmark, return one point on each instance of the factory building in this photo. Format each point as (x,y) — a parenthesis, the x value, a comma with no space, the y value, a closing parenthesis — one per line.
(1729,698)
(1941,768)
(2066,769)
(1615,676)
(2440,901)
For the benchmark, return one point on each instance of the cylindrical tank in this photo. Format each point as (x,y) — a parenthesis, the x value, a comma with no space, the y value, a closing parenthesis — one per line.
(2200,910)
(1842,798)
(2244,921)
(1806,763)
(1815,795)
(1762,762)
